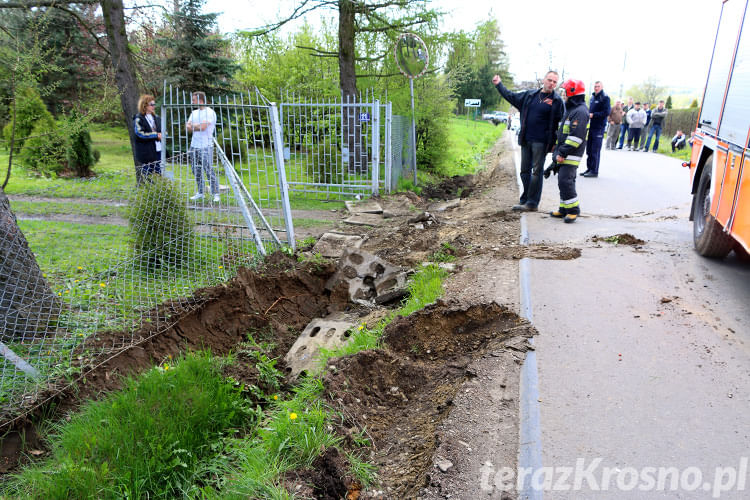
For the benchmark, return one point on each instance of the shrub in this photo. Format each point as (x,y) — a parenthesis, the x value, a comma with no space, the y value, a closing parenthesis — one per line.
(160,225)
(45,149)
(80,155)
(30,110)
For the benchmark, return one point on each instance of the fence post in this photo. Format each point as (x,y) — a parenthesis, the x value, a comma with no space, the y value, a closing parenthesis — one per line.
(17,361)
(283,184)
(388,152)
(375,146)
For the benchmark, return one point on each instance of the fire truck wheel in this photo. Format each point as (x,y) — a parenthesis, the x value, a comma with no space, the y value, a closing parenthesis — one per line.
(708,236)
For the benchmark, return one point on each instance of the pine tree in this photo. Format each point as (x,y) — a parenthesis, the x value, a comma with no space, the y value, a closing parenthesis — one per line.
(197,60)
(668,104)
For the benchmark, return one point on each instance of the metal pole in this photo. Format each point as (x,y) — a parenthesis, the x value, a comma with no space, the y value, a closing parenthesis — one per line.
(17,361)
(283,185)
(413,131)
(375,127)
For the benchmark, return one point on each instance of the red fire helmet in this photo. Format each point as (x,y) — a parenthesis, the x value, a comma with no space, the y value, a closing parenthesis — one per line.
(574,87)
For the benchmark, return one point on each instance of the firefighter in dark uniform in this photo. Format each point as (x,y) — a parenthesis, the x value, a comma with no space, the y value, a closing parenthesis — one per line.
(571,144)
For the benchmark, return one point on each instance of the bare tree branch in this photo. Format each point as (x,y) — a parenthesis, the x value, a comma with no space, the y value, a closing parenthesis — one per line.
(41,3)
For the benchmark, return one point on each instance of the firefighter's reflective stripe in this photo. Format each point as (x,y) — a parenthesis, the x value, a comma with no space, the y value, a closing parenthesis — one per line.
(566,127)
(571,160)
(571,203)
(574,141)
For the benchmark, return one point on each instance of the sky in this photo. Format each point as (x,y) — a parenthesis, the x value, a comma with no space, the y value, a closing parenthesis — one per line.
(621,43)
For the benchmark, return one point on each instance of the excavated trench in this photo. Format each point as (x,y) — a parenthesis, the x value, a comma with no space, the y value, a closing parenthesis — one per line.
(396,395)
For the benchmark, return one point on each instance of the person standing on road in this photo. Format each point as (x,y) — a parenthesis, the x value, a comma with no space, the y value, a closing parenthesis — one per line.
(539,112)
(570,148)
(201,123)
(147,128)
(636,118)
(614,121)
(657,120)
(624,126)
(599,109)
(646,127)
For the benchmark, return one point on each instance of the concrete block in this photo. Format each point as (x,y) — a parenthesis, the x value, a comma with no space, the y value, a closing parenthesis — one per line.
(332,245)
(364,207)
(320,332)
(365,220)
(368,277)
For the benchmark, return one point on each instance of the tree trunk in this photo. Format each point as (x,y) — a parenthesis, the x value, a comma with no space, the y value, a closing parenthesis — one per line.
(119,52)
(357,159)
(27,304)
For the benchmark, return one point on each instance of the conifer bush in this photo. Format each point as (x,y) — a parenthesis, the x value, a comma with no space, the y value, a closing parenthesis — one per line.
(161,229)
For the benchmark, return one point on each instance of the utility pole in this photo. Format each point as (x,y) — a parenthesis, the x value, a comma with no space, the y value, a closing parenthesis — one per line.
(624,62)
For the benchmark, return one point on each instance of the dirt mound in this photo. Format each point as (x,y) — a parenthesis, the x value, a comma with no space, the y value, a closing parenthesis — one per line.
(400,394)
(619,239)
(460,186)
(273,303)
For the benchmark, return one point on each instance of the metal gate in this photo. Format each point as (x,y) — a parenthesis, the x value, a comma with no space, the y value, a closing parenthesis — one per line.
(246,159)
(337,149)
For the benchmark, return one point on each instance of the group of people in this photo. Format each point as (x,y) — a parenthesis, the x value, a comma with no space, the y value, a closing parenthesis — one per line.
(549,126)
(639,124)
(148,143)
(567,130)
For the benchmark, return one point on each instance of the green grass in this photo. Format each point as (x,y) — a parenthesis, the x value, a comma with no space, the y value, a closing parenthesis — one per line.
(469,141)
(149,440)
(56,207)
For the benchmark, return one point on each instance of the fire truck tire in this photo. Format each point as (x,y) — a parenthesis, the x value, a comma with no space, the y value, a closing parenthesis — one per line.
(708,236)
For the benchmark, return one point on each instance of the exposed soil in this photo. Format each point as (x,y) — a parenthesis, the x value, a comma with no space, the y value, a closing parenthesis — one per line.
(619,239)
(444,389)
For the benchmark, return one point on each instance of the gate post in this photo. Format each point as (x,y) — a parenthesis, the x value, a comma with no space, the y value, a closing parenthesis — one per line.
(283,184)
(388,151)
(375,145)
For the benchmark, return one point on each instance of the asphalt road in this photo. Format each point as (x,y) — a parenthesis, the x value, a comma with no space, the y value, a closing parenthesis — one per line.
(643,353)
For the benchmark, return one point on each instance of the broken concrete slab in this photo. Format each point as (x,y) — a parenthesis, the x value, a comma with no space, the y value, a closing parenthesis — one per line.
(319,333)
(364,207)
(365,220)
(369,278)
(442,206)
(332,245)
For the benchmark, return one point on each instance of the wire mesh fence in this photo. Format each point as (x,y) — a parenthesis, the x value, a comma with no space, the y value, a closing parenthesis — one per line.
(53,327)
(337,148)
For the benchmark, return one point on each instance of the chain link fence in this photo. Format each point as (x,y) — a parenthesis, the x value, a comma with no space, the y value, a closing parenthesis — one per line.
(54,328)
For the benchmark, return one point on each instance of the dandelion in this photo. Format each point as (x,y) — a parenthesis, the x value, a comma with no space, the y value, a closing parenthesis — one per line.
(78,281)
(221,267)
(80,268)
(59,294)
(292,416)
(80,335)
(166,367)
(361,327)
(275,397)
(102,285)
(67,291)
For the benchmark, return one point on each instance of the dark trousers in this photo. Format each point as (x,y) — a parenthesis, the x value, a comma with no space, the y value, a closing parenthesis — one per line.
(623,131)
(634,134)
(566,181)
(532,168)
(145,170)
(593,150)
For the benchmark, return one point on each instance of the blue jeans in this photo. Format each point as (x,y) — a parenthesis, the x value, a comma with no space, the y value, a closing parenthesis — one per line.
(200,162)
(532,168)
(623,129)
(655,129)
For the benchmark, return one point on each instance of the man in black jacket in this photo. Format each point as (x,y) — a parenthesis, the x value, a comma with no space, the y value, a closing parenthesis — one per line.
(599,109)
(540,113)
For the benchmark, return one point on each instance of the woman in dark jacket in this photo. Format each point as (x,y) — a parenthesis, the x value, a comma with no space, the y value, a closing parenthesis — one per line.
(147,128)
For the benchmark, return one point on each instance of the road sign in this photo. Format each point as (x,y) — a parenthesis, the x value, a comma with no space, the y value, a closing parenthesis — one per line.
(364,117)
(472,103)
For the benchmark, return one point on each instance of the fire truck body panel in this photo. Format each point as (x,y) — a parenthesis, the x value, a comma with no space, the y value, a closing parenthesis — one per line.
(722,133)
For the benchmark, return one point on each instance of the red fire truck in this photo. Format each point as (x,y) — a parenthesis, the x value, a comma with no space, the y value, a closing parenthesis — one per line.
(720,160)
